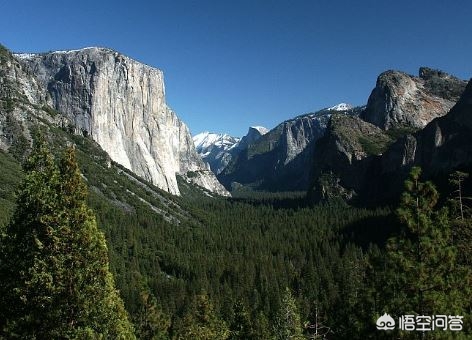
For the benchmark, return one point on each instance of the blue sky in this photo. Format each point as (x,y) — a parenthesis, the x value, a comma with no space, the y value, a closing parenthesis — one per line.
(229,64)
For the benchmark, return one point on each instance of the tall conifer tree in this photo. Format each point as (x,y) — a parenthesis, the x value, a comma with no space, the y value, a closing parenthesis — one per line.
(288,325)
(425,278)
(201,322)
(56,281)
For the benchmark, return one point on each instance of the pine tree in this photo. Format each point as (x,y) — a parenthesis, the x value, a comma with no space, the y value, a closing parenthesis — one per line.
(462,218)
(288,325)
(457,179)
(317,328)
(261,327)
(241,327)
(201,322)
(152,323)
(56,281)
(424,276)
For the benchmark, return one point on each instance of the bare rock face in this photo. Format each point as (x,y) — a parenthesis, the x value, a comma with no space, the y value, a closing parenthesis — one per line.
(121,104)
(277,160)
(358,157)
(23,102)
(400,100)
(443,145)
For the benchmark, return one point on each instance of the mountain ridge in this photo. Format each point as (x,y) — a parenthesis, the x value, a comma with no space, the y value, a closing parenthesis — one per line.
(279,159)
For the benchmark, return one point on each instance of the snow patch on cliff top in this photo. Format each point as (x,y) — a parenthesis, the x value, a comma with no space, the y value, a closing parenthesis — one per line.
(340,107)
(206,139)
(262,130)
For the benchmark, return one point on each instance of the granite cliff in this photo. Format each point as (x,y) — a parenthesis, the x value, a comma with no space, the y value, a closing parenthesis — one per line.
(280,160)
(120,103)
(400,100)
(443,146)
(406,123)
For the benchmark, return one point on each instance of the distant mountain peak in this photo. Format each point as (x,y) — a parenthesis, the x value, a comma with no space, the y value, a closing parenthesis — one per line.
(218,149)
(262,130)
(340,107)
(206,139)
(215,149)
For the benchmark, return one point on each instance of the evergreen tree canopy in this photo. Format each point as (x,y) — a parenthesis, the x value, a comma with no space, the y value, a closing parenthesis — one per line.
(425,277)
(201,322)
(152,323)
(288,325)
(56,281)
(241,327)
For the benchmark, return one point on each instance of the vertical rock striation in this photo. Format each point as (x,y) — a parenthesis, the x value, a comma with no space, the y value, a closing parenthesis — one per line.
(121,104)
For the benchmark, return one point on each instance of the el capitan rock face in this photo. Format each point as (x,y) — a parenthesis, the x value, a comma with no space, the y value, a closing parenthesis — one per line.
(121,104)
(400,100)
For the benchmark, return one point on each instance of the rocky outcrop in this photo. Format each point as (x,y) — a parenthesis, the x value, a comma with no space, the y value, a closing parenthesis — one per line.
(441,147)
(342,156)
(400,100)
(121,104)
(444,145)
(404,124)
(206,179)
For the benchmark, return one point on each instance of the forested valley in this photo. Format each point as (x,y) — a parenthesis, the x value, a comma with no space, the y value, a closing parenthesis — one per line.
(259,266)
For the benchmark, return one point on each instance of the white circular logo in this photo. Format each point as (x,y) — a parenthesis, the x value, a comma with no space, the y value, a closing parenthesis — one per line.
(385,322)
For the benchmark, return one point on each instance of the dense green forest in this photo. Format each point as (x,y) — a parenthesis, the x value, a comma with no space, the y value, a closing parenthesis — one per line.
(266,266)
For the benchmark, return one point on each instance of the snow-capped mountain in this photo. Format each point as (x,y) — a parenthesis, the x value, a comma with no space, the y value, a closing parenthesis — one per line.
(206,139)
(215,149)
